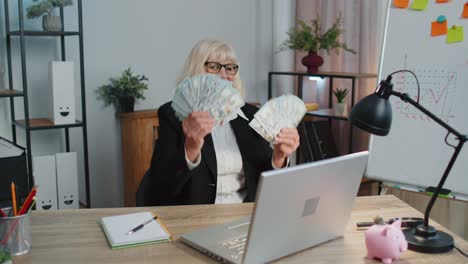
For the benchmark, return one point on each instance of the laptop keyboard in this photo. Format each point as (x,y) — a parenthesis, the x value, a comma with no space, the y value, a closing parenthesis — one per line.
(236,245)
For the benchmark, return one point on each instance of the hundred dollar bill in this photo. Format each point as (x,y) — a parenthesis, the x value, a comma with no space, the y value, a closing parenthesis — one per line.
(206,92)
(285,111)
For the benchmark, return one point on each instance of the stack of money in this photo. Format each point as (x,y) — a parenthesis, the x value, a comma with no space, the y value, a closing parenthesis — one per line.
(206,93)
(285,111)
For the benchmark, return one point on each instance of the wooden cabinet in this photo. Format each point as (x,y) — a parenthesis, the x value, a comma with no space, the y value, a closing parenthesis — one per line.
(139,132)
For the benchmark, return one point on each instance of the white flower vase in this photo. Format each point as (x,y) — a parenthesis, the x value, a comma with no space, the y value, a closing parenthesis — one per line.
(51,23)
(340,108)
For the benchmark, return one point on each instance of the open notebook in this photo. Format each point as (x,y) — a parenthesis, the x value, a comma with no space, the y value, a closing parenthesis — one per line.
(117,227)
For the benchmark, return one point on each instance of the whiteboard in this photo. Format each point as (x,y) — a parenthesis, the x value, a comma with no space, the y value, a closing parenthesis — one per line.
(414,152)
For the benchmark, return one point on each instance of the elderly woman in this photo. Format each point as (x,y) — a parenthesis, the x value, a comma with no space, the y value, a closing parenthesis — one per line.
(195,162)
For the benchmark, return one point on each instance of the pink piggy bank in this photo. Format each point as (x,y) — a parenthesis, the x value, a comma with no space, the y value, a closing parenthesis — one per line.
(385,242)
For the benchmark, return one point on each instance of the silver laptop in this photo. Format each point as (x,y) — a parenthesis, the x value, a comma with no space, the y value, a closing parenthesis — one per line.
(295,208)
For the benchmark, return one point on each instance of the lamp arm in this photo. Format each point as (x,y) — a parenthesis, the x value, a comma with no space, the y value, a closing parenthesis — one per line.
(461,140)
(406,98)
(442,181)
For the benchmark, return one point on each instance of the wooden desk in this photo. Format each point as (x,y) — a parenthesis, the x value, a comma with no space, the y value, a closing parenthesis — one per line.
(74,236)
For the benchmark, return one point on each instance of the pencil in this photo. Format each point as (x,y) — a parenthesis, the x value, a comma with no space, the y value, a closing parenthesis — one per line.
(32,204)
(13,198)
(163,226)
(28,201)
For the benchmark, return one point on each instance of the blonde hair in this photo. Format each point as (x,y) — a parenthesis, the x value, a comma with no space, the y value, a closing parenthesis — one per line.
(213,50)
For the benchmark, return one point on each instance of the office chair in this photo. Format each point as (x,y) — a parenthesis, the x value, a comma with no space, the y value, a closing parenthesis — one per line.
(316,141)
(304,151)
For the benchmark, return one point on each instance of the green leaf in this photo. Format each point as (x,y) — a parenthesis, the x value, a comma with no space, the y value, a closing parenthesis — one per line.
(45,7)
(127,85)
(340,94)
(309,37)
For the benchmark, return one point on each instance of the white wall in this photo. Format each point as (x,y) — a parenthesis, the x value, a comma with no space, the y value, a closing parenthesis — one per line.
(153,38)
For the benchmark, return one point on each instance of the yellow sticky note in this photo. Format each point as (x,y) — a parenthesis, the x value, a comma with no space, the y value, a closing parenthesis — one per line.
(455,34)
(419,4)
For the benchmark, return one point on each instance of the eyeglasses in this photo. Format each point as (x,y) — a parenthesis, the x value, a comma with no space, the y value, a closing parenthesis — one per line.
(215,67)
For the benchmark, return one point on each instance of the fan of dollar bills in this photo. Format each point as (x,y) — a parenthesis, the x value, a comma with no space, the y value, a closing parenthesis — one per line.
(206,92)
(285,111)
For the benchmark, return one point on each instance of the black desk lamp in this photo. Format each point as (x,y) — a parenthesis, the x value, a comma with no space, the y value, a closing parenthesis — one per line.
(374,115)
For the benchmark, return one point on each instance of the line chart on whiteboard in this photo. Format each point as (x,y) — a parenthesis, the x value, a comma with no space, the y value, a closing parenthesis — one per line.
(437,92)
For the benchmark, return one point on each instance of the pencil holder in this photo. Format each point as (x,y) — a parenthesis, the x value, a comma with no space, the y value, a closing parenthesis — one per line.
(15,234)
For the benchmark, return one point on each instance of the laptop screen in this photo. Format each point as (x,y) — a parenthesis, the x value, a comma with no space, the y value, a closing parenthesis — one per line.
(302,206)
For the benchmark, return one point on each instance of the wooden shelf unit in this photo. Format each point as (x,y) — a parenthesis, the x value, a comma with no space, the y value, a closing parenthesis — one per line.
(20,34)
(44,123)
(44,33)
(10,93)
(328,113)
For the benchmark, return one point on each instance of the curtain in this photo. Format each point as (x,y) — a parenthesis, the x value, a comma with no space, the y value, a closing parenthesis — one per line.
(284,18)
(363,22)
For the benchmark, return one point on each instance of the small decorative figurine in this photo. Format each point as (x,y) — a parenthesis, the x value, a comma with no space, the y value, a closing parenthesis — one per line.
(385,242)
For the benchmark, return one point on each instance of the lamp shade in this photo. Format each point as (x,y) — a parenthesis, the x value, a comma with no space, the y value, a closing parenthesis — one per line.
(372,114)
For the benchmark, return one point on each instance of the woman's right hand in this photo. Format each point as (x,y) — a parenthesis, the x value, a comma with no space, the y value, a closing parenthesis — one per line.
(196,126)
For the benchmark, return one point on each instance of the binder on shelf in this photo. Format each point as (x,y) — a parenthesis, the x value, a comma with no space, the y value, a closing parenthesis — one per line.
(62,85)
(13,169)
(67,180)
(44,172)
(57,178)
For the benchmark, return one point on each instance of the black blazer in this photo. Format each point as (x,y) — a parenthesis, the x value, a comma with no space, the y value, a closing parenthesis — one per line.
(172,183)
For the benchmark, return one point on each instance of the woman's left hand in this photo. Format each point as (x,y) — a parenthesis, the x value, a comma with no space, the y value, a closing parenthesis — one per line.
(286,142)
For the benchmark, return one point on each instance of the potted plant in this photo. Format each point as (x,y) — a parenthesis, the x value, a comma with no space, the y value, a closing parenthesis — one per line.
(311,38)
(5,257)
(45,8)
(340,106)
(123,92)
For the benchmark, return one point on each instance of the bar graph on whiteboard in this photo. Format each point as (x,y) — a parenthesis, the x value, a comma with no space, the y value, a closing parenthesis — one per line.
(437,92)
